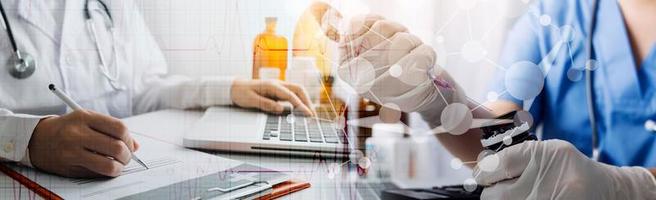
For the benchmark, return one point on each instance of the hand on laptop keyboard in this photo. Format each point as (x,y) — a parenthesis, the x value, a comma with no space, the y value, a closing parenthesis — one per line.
(263,94)
(302,129)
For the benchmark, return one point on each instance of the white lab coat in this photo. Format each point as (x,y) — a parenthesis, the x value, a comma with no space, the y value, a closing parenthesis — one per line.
(70,60)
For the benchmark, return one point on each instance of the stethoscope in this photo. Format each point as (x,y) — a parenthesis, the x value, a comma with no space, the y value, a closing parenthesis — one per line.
(24,64)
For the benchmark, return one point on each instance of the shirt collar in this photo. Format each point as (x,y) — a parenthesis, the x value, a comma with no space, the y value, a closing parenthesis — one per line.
(38,15)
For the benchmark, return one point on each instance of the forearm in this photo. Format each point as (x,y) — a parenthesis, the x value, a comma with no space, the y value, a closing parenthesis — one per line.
(184,93)
(653,172)
(466,147)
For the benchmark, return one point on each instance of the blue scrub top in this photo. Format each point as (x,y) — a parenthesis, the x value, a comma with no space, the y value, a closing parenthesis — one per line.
(624,93)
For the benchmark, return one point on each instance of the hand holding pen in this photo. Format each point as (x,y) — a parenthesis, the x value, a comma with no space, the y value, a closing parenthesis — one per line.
(82,143)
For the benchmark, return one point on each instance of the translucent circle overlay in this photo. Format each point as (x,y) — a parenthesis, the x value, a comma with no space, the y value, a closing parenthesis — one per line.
(395,71)
(290,118)
(574,74)
(364,162)
(390,113)
(524,80)
(545,20)
(473,51)
(650,125)
(456,163)
(488,161)
(507,140)
(470,185)
(484,153)
(592,64)
(357,154)
(523,116)
(456,118)
(492,96)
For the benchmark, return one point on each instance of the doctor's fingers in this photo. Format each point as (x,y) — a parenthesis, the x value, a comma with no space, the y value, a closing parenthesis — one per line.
(359,25)
(300,93)
(396,79)
(263,103)
(109,126)
(100,164)
(107,146)
(391,51)
(279,92)
(513,161)
(382,30)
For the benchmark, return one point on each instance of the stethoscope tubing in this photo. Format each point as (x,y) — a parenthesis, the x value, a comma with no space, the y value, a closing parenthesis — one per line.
(589,90)
(25,64)
(7,27)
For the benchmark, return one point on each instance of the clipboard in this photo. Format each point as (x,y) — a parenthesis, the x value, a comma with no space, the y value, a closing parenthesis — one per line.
(172,168)
(266,192)
(244,181)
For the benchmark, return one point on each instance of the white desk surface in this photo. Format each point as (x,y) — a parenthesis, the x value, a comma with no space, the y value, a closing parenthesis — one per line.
(171,125)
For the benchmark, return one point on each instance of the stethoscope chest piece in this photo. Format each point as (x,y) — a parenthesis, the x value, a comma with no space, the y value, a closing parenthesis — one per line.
(23,66)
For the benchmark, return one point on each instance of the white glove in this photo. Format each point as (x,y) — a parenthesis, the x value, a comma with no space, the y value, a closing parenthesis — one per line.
(555,169)
(386,64)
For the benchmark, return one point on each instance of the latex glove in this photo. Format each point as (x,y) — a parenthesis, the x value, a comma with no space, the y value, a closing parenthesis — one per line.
(386,64)
(555,169)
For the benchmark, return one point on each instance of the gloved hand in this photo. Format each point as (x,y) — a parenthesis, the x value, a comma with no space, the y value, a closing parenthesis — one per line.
(386,64)
(555,169)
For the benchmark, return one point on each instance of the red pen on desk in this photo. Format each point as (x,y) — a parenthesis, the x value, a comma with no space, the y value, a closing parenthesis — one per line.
(29,184)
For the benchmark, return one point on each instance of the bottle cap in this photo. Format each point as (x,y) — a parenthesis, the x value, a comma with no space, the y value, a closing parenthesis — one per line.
(270,19)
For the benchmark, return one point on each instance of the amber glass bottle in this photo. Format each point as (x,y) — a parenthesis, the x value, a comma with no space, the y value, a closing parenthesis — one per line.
(270,53)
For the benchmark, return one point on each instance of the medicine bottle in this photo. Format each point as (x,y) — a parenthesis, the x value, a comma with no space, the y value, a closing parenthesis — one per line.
(270,53)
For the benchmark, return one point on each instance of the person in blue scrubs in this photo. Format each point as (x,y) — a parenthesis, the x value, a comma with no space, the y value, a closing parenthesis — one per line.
(624,75)
(545,60)
(551,37)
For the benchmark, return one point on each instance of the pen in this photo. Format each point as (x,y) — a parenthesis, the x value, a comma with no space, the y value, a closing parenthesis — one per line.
(68,101)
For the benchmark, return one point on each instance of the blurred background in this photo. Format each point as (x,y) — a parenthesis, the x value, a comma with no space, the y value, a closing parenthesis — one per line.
(216,37)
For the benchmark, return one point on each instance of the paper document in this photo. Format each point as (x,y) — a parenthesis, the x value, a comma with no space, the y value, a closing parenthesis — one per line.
(174,173)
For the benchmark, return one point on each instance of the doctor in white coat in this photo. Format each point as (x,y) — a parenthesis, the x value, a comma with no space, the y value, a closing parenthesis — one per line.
(108,62)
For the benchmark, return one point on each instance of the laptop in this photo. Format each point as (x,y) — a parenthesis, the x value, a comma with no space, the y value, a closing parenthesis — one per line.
(242,130)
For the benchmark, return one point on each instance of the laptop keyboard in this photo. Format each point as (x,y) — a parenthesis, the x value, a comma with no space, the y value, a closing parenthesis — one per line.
(295,128)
